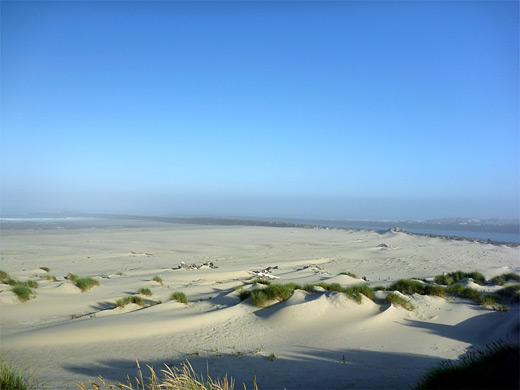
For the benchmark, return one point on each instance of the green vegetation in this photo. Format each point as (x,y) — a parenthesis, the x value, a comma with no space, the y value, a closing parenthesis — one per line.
(280,292)
(46,269)
(31,284)
(510,294)
(348,274)
(179,297)
(145,291)
(24,293)
(174,378)
(408,287)
(505,278)
(13,379)
(86,284)
(50,278)
(158,279)
(260,281)
(495,367)
(398,300)
(454,277)
(4,276)
(130,299)
(72,277)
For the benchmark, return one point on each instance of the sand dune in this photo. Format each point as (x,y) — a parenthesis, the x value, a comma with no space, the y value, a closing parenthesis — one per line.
(319,340)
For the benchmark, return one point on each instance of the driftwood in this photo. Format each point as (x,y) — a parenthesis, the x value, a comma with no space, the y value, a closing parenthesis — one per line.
(183,265)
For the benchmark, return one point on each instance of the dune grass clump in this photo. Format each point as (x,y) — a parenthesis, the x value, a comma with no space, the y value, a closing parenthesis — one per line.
(50,278)
(408,287)
(279,292)
(495,367)
(130,299)
(348,274)
(398,300)
(454,277)
(179,297)
(46,269)
(24,293)
(183,378)
(84,284)
(4,276)
(14,379)
(31,284)
(260,281)
(145,291)
(158,279)
(505,278)
(510,294)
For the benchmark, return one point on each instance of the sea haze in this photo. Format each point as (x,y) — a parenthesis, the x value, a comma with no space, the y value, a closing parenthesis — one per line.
(492,229)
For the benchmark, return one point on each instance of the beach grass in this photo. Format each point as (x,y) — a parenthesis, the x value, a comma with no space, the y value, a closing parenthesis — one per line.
(509,294)
(348,274)
(505,278)
(454,277)
(12,378)
(46,269)
(130,299)
(158,279)
(145,291)
(260,281)
(85,284)
(51,278)
(398,300)
(173,378)
(24,293)
(495,367)
(4,276)
(179,296)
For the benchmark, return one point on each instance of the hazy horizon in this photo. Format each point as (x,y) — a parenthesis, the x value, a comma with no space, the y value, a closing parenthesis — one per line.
(333,110)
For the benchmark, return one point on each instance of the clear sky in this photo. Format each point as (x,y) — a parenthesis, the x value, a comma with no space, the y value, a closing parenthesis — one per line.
(380,110)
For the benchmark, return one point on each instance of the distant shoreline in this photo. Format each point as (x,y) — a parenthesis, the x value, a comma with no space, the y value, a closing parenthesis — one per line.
(215,221)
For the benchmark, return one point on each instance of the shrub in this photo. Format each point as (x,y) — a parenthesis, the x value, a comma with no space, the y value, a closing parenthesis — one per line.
(24,293)
(348,274)
(504,278)
(158,279)
(495,367)
(85,284)
(46,269)
(179,297)
(4,276)
(398,300)
(145,291)
(130,299)
(13,379)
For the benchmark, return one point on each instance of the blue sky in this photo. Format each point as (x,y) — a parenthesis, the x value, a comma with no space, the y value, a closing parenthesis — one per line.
(385,110)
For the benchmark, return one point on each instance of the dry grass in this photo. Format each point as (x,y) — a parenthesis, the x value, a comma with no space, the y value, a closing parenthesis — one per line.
(183,378)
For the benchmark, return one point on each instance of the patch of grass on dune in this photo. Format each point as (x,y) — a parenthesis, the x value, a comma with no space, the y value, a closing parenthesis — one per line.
(398,300)
(51,278)
(454,277)
(495,367)
(14,379)
(179,297)
(509,294)
(279,292)
(505,278)
(145,291)
(408,287)
(84,284)
(46,269)
(130,299)
(24,293)
(158,279)
(183,378)
(348,274)
(4,276)
(260,281)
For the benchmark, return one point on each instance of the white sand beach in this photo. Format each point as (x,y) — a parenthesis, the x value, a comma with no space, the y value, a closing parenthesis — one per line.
(311,341)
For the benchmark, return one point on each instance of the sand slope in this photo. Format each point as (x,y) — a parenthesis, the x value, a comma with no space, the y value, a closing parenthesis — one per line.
(316,341)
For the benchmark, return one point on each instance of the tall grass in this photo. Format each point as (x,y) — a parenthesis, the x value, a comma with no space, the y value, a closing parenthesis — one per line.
(398,300)
(179,297)
(495,367)
(504,278)
(24,293)
(46,269)
(183,378)
(145,291)
(4,276)
(454,277)
(509,294)
(130,299)
(158,279)
(85,284)
(14,379)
